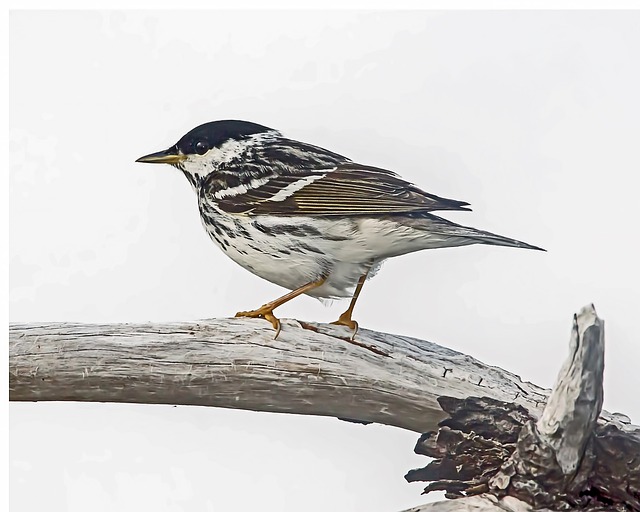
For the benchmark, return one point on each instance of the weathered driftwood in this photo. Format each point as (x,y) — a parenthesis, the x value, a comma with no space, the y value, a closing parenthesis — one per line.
(479,503)
(566,459)
(236,363)
(499,449)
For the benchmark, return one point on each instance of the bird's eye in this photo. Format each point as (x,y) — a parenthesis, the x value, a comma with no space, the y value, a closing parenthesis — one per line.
(202,147)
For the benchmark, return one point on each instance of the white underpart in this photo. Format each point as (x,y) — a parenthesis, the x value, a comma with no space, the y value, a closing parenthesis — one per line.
(290,189)
(340,249)
(240,189)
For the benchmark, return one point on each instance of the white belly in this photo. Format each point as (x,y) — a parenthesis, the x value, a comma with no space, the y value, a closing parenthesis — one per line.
(294,251)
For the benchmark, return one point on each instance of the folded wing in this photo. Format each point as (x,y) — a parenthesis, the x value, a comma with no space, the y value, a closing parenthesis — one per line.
(346,190)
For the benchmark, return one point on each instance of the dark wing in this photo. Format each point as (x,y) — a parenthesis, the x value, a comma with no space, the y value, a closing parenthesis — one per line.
(348,189)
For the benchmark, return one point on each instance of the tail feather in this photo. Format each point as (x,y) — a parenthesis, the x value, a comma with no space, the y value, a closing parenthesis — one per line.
(476,236)
(487,238)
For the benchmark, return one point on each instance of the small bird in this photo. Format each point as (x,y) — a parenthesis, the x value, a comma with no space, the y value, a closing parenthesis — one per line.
(305,218)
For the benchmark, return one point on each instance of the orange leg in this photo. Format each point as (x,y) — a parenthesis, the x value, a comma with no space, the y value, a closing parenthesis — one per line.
(266,311)
(345,318)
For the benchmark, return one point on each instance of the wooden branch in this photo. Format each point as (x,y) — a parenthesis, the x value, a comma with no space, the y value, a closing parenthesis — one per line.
(567,459)
(236,363)
(498,444)
(484,503)
(571,412)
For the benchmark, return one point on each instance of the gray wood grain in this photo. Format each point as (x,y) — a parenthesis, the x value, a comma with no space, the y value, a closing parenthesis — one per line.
(564,446)
(236,363)
(494,455)
(574,406)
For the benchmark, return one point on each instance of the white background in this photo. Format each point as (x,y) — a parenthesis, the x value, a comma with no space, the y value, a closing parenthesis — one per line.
(530,116)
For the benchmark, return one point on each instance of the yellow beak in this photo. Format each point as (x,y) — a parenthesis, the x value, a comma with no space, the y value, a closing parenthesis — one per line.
(168,156)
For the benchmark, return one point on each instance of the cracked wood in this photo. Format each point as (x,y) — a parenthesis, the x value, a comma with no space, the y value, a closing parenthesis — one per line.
(236,363)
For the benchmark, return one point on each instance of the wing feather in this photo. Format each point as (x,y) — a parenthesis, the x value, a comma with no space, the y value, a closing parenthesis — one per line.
(348,189)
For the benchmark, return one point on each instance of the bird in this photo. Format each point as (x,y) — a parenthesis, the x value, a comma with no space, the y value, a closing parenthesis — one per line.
(305,218)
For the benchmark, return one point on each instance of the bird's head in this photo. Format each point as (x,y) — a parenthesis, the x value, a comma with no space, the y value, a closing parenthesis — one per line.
(205,148)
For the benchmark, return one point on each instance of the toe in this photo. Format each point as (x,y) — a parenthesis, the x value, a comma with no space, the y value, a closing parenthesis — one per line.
(347,322)
(263,313)
(275,322)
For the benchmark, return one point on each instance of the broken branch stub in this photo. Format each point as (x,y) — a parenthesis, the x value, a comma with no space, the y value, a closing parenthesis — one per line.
(567,459)
(575,403)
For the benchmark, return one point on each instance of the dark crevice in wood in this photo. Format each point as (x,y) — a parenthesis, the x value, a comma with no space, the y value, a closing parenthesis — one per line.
(556,452)
(489,445)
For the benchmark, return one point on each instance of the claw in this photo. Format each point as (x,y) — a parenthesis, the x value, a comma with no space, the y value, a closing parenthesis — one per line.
(267,314)
(346,320)
(275,322)
(266,310)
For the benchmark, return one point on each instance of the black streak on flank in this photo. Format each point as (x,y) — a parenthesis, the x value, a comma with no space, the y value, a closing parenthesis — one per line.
(221,243)
(310,248)
(302,231)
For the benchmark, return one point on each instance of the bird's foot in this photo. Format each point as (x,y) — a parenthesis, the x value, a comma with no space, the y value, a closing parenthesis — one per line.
(265,312)
(346,320)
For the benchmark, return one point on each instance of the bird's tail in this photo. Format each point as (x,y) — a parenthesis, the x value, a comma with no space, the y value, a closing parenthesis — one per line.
(487,238)
(475,236)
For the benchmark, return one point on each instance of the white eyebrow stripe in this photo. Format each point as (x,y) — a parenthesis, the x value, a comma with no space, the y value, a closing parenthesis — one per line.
(292,188)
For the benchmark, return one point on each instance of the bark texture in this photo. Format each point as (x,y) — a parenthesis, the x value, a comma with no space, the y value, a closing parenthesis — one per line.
(569,458)
(236,363)
(499,444)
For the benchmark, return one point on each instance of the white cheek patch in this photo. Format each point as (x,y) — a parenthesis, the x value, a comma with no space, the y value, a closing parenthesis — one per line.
(201,166)
(233,149)
(197,165)
(292,188)
(227,152)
